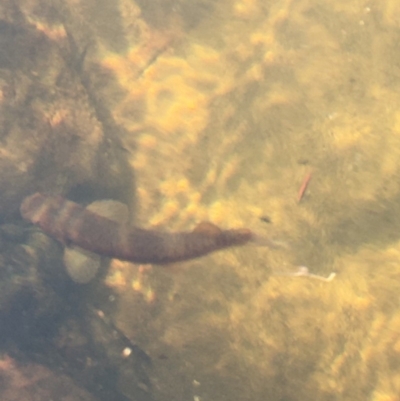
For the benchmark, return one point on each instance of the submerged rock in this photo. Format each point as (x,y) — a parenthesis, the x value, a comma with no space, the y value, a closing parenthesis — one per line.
(54,134)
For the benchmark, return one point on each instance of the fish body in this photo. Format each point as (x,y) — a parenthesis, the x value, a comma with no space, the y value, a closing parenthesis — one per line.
(71,223)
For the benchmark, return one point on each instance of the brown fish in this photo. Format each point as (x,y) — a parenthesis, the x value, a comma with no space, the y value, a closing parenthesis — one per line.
(70,223)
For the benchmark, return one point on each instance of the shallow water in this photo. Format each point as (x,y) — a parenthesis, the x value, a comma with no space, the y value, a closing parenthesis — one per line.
(236,112)
(229,106)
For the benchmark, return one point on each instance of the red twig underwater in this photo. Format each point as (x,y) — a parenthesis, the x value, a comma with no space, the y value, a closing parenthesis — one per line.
(304,186)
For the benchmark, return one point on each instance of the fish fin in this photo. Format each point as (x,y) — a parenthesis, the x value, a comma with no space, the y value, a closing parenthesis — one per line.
(207,227)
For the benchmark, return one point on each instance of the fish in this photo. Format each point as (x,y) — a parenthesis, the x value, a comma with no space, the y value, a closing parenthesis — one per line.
(72,224)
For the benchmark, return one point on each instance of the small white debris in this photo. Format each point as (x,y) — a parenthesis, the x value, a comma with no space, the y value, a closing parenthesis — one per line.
(126,352)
